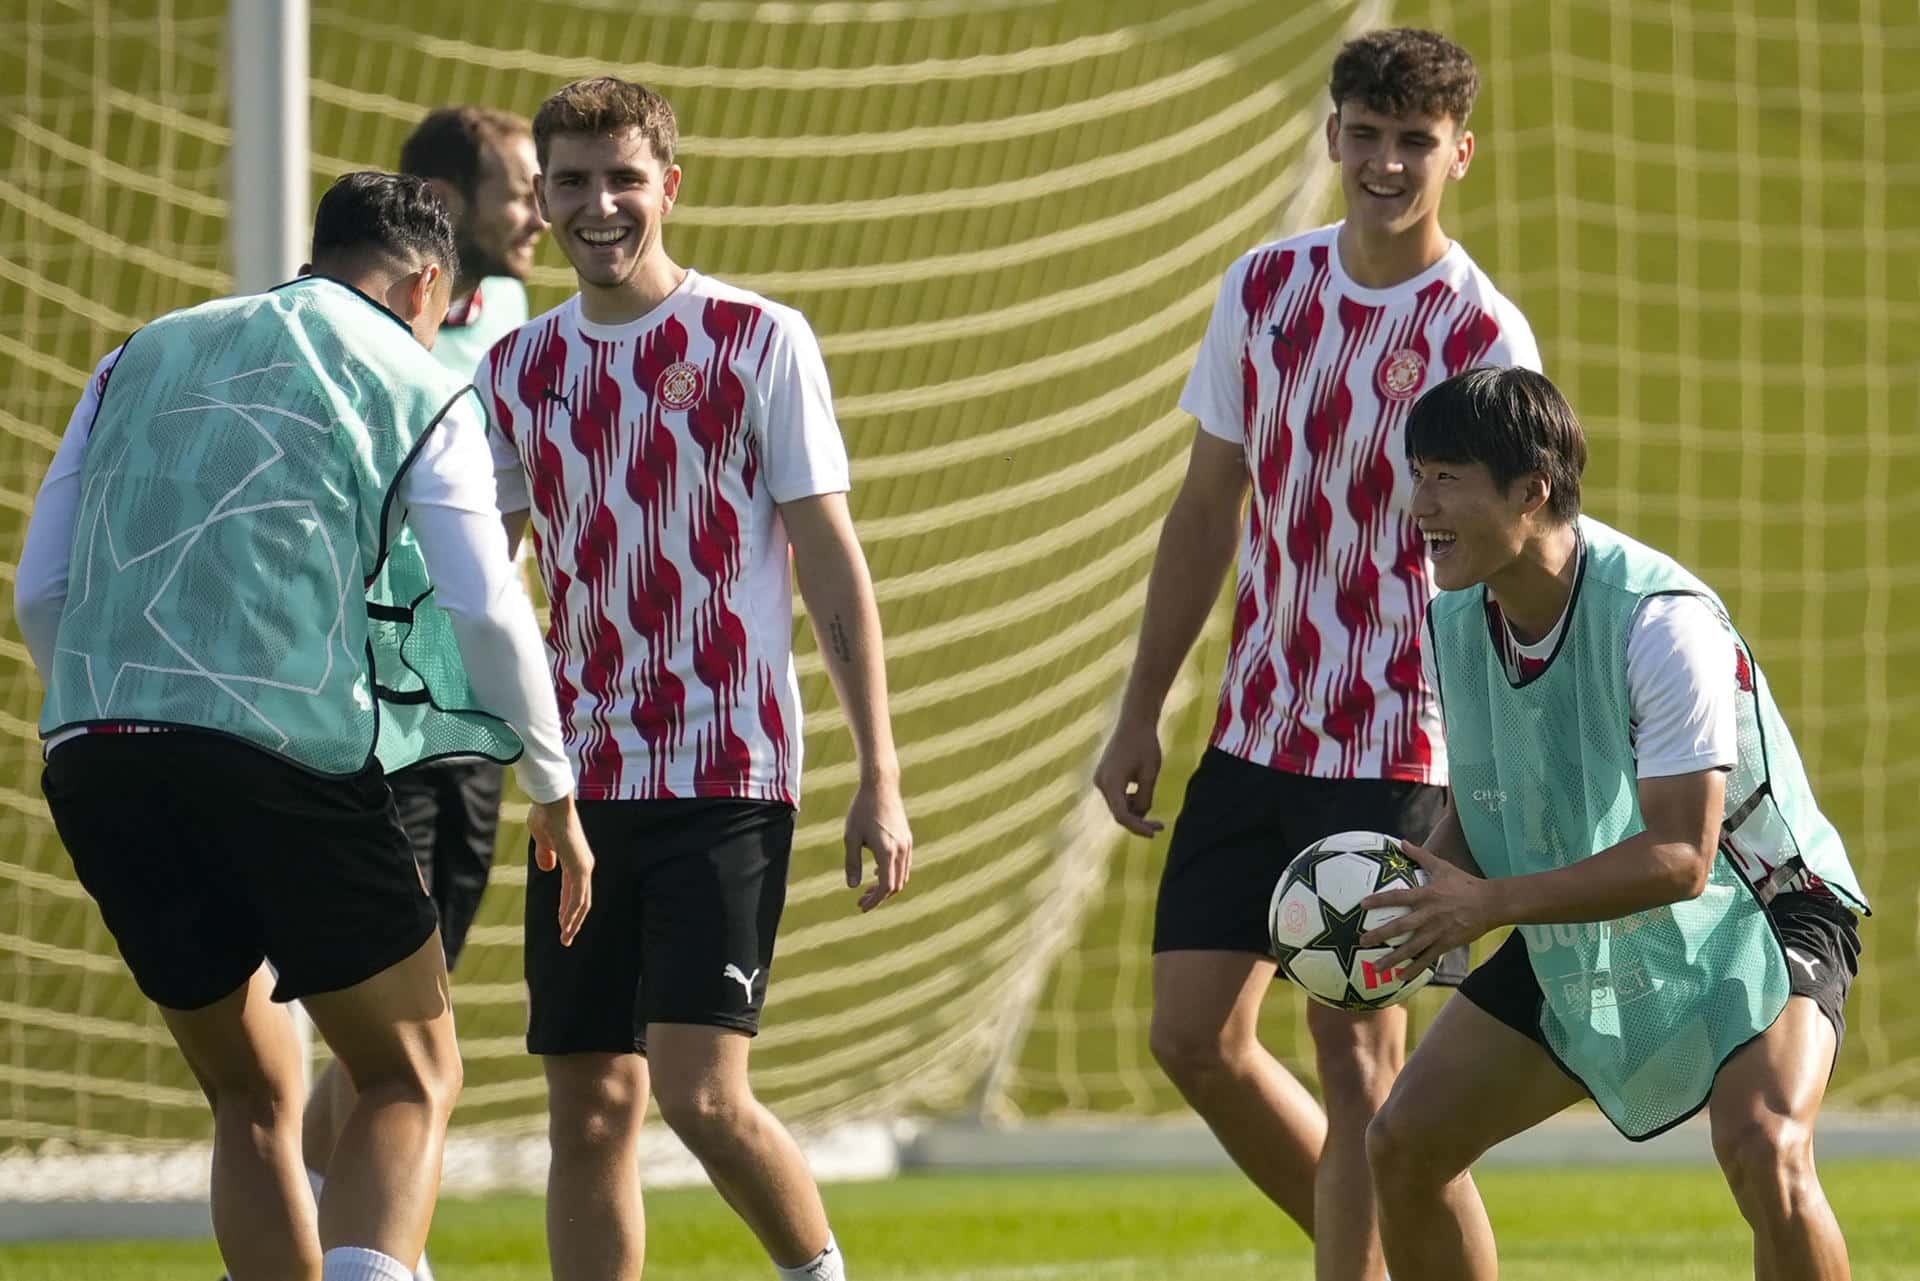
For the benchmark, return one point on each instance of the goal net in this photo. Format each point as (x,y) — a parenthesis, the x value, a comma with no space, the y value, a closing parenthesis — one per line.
(1007,220)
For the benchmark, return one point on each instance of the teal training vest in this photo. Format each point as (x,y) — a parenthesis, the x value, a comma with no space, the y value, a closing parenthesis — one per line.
(503,309)
(1642,1010)
(239,564)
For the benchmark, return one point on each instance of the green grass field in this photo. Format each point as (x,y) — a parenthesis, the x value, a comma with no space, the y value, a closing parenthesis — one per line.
(1598,1224)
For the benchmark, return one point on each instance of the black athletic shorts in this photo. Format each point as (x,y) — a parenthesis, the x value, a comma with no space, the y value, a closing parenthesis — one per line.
(1241,825)
(451,813)
(687,896)
(1823,955)
(208,856)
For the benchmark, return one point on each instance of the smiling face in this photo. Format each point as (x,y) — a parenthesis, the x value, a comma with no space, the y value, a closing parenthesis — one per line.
(606,197)
(501,224)
(1394,169)
(1473,529)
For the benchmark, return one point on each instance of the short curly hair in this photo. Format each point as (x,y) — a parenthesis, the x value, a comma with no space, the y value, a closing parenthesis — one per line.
(1405,71)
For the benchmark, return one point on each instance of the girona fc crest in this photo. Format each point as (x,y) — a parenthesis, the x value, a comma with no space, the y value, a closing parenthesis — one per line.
(1401,374)
(678,386)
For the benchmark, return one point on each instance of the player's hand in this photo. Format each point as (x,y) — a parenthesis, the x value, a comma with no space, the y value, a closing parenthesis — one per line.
(877,820)
(1451,910)
(1126,774)
(559,841)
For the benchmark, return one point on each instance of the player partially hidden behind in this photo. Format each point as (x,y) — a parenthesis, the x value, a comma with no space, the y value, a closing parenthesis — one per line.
(480,163)
(1626,792)
(218,686)
(1317,347)
(677,435)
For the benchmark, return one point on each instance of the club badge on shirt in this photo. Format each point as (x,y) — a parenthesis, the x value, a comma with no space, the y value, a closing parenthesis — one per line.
(678,386)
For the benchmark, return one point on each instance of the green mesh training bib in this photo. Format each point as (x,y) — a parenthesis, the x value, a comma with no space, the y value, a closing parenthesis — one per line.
(239,563)
(1645,1009)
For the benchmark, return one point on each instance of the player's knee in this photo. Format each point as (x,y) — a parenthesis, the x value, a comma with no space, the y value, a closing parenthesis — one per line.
(1405,1150)
(1192,1057)
(1767,1157)
(703,1115)
(594,1115)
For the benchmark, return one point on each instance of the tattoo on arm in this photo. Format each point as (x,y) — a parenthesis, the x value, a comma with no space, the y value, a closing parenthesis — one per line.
(837,640)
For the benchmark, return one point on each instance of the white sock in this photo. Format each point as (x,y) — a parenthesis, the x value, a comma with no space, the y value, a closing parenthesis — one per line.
(828,1265)
(351,1263)
(425,1271)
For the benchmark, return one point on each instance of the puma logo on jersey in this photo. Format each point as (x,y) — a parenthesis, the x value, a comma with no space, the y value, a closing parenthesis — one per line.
(564,401)
(744,980)
(1806,963)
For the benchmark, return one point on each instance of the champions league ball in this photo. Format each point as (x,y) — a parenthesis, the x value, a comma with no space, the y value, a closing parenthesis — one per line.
(1316,921)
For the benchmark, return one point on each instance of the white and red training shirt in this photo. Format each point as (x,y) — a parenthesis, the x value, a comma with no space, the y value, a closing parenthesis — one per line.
(656,453)
(1313,375)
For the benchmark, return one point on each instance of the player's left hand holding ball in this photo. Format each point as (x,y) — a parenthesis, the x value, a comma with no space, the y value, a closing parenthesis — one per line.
(1451,910)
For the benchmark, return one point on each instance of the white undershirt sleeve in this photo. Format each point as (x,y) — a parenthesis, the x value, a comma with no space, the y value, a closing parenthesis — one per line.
(1681,678)
(449,494)
(40,580)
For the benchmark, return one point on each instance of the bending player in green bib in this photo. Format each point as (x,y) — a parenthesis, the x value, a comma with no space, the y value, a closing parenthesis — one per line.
(1626,793)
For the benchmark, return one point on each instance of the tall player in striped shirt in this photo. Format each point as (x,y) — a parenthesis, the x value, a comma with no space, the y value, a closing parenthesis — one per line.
(1317,347)
(678,436)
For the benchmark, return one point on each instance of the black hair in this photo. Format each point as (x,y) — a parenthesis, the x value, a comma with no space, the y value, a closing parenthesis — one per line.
(388,215)
(1513,420)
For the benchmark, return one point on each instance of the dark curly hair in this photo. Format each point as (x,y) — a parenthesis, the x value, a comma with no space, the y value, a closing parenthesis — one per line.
(1406,70)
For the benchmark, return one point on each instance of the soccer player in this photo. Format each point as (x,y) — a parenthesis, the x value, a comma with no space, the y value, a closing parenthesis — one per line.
(1317,346)
(678,438)
(217,689)
(480,163)
(1625,791)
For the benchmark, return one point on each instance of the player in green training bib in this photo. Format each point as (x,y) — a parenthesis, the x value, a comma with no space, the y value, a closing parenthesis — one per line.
(1626,793)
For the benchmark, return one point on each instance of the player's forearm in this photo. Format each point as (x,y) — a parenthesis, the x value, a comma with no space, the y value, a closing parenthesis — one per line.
(1640,872)
(1195,551)
(838,591)
(499,639)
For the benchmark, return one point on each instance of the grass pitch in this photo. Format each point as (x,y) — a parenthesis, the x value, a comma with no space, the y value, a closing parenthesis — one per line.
(1587,1224)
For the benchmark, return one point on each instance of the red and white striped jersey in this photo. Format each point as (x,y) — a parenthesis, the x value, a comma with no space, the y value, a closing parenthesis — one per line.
(656,453)
(1313,375)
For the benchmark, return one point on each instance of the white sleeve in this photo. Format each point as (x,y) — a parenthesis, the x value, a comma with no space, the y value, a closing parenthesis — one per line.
(509,473)
(1516,347)
(1215,392)
(1681,678)
(449,496)
(801,444)
(40,581)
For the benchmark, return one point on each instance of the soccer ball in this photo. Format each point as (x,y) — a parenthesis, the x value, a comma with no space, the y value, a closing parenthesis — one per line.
(1316,921)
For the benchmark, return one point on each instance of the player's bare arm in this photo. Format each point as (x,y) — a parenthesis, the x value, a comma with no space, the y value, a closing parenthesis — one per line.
(1667,862)
(1196,548)
(832,573)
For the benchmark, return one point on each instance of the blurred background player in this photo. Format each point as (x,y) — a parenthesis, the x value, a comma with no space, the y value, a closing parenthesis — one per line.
(480,163)
(217,688)
(676,437)
(1317,347)
(1627,793)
